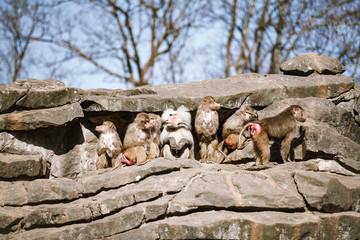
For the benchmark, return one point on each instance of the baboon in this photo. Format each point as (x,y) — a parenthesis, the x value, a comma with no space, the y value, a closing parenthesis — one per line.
(237,121)
(109,145)
(176,139)
(281,127)
(155,131)
(206,126)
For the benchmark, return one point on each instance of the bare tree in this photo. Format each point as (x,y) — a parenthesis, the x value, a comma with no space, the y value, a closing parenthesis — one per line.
(230,38)
(20,20)
(143,42)
(263,33)
(128,38)
(334,29)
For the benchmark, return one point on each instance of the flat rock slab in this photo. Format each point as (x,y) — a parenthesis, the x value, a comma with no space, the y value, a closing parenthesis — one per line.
(232,190)
(182,198)
(63,189)
(320,141)
(259,225)
(253,89)
(209,225)
(33,93)
(327,192)
(24,166)
(41,118)
(310,63)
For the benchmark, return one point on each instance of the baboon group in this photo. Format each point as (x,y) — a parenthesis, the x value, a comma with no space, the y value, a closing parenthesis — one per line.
(169,135)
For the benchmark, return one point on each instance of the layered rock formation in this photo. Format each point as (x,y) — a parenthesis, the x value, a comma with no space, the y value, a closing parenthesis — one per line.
(49,188)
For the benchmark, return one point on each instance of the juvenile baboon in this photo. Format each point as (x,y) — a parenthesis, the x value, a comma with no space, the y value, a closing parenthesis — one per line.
(135,155)
(109,145)
(231,142)
(237,121)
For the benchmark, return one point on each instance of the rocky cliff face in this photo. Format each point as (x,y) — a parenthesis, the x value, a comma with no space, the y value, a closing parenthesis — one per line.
(49,188)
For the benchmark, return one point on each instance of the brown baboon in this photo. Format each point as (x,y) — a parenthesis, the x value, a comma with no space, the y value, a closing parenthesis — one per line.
(281,127)
(206,126)
(109,145)
(237,121)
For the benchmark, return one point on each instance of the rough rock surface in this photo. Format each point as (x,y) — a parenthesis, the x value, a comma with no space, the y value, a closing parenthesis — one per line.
(42,118)
(17,166)
(32,93)
(252,89)
(168,198)
(49,188)
(312,63)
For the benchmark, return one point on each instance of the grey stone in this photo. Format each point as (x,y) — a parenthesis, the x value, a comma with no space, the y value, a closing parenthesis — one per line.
(252,89)
(25,166)
(39,93)
(241,155)
(192,200)
(38,191)
(126,175)
(9,217)
(84,210)
(72,153)
(33,119)
(356,110)
(257,225)
(232,189)
(328,192)
(326,142)
(15,144)
(331,166)
(10,94)
(309,63)
(317,196)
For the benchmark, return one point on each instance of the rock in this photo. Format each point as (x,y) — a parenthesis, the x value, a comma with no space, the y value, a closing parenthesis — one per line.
(356,109)
(93,184)
(33,93)
(66,189)
(328,192)
(29,120)
(80,158)
(23,166)
(326,142)
(13,143)
(332,167)
(212,225)
(84,210)
(252,89)
(189,199)
(241,155)
(309,63)
(37,191)
(8,218)
(348,162)
(10,94)
(64,155)
(262,225)
(317,196)
(346,101)
(229,189)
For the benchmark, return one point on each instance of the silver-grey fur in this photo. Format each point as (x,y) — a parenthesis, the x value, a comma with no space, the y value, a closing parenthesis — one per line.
(177,136)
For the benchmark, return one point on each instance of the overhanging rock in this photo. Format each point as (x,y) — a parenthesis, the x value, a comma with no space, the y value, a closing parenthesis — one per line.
(253,89)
